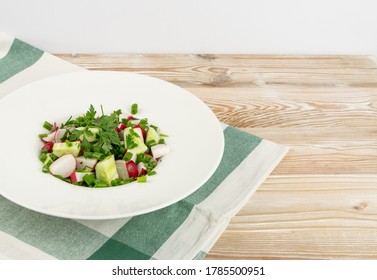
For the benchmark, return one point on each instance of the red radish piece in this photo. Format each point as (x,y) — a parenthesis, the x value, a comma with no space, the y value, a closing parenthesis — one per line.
(55,127)
(49,138)
(160,150)
(141,168)
(132,169)
(121,127)
(63,166)
(144,133)
(121,169)
(48,147)
(78,176)
(59,135)
(121,135)
(130,118)
(82,162)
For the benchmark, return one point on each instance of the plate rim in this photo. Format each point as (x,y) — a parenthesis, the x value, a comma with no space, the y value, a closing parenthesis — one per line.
(132,213)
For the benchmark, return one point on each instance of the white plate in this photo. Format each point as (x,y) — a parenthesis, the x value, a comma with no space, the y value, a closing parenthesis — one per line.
(195,138)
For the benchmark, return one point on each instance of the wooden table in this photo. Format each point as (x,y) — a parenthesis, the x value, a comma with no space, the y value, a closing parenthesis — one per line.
(321,201)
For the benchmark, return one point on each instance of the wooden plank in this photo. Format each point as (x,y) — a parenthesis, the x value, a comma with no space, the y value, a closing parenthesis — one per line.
(240,70)
(321,200)
(291,108)
(339,150)
(304,217)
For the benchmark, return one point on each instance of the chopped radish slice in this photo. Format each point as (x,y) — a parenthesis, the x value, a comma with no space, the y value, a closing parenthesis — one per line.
(144,133)
(55,127)
(82,162)
(120,127)
(59,135)
(130,118)
(121,135)
(135,121)
(132,169)
(122,169)
(160,150)
(78,176)
(49,138)
(141,168)
(63,166)
(48,147)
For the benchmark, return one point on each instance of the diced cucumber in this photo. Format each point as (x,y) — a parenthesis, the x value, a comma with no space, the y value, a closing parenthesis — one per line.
(106,170)
(90,138)
(152,134)
(140,146)
(65,148)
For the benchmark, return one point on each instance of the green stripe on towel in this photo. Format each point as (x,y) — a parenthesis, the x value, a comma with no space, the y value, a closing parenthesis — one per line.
(147,233)
(19,57)
(115,250)
(59,237)
(238,145)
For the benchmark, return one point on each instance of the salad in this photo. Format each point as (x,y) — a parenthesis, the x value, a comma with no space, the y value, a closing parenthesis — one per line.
(102,151)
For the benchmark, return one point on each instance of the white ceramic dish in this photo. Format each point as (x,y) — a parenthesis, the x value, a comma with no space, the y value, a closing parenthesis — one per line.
(195,138)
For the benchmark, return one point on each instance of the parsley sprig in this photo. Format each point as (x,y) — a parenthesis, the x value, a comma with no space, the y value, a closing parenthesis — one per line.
(107,138)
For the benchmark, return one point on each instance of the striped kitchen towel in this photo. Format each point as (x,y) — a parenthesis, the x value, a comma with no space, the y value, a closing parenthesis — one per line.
(185,230)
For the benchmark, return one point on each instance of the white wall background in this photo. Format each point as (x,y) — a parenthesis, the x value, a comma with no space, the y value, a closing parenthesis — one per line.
(194,26)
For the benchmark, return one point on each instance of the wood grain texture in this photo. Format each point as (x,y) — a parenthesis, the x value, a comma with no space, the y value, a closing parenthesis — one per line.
(321,201)
(240,70)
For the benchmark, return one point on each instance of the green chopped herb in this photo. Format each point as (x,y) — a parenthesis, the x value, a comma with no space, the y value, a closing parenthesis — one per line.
(97,149)
(91,113)
(128,156)
(75,135)
(98,156)
(100,184)
(54,157)
(89,179)
(151,143)
(134,109)
(47,125)
(147,158)
(143,124)
(42,157)
(63,179)
(141,179)
(130,141)
(88,155)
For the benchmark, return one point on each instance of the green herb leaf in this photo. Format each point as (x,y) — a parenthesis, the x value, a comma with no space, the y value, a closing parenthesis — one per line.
(130,142)
(142,179)
(91,113)
(47,125)
(134,109)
